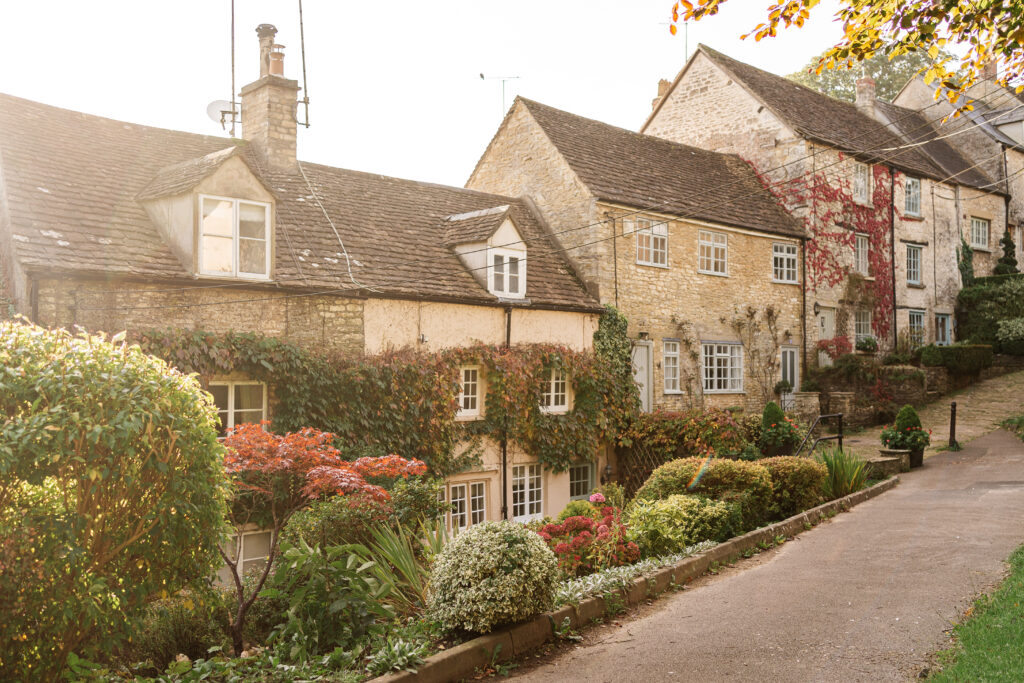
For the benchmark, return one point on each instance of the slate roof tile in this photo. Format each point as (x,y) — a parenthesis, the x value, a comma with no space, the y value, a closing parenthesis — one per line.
(646,172)
(72,182)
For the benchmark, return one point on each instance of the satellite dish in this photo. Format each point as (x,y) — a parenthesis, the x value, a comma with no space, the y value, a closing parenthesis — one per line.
(220,112)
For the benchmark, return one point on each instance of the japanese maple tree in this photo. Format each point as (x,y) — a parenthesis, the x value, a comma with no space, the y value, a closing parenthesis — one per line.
(274,476)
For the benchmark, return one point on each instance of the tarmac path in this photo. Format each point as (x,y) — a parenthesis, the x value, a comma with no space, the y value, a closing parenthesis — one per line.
(867,596)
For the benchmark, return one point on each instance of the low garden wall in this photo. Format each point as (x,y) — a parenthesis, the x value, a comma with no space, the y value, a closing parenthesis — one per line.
(515,641)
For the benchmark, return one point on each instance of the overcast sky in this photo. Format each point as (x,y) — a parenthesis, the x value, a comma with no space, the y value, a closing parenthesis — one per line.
(394,87)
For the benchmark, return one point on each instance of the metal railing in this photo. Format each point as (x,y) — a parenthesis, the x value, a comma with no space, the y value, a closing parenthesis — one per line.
(838,436)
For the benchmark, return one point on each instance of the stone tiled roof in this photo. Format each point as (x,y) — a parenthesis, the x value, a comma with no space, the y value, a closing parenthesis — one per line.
(915,127)
(475,226)
(182,177)
(836,123)
(72,184)
(646,172)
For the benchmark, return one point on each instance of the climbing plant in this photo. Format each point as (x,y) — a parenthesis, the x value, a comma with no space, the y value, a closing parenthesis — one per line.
(832,220)
(758,332)
(406,402)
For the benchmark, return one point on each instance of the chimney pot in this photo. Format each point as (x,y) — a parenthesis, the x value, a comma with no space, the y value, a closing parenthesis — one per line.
(266,33)
(277,60)
(866,96)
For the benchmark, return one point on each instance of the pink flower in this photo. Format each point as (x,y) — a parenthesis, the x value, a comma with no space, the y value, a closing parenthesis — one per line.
(596,498)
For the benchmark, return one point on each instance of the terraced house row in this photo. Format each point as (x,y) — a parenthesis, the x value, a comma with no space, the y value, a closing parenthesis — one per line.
(747,221)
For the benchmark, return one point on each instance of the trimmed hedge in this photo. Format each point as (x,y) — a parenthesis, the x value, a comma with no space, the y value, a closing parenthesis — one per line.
(663,527)
(733,481)
(796,484)
(959,359)
(682,434)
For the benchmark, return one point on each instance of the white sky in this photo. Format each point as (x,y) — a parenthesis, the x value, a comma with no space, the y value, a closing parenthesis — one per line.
(394,87)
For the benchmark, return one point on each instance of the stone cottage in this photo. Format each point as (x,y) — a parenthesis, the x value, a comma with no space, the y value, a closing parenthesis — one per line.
(991,134)
(117,226)
(702,260)
(884,199)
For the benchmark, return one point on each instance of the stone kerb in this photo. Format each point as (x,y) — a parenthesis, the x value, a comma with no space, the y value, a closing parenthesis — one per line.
(515,641)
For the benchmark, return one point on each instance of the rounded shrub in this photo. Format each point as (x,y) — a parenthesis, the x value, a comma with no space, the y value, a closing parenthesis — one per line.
(113,492)
(578,508)
(796,484)
(663,527)
(493,573)
(745,483)
(907,418)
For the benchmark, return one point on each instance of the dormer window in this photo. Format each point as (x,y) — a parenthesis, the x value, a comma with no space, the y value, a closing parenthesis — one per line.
(507,273)
(234,238)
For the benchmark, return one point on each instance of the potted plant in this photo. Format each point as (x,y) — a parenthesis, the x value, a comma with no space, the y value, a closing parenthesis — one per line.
(779,435)
(907,434)
(783,386)
(867,346)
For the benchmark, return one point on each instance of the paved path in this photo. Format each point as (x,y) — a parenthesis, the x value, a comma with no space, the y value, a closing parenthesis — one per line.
(863,597)
(979,409)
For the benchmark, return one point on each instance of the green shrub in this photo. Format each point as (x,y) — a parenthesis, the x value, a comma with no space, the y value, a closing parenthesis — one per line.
(663,527)
(906,431)
(189,623)
(578,508)
(778,432)
(796,484)
(339,520)
(982,306)
(959,359)
(113,490)
(493,573)
(1010,336)
(745,483)
(673,435)
(847,473)
(614,494)
(333,600)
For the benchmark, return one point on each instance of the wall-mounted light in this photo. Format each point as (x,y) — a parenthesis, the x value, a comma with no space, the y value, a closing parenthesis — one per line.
(817,308)
(606,474)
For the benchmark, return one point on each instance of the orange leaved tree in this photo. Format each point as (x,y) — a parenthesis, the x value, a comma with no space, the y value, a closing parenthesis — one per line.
(274,476)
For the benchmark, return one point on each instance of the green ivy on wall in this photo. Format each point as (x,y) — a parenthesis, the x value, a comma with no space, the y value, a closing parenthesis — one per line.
(406,402)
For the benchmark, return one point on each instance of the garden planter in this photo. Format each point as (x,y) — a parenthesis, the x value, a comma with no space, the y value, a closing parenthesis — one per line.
(902,453)
(917,457)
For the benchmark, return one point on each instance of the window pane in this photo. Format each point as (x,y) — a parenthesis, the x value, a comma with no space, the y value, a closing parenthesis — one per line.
(460,518)
(248,397)
(218,254)
(252,221)
(255,546)
(252,256)
(499,273)
(477,503)
(218,217)
(513,275)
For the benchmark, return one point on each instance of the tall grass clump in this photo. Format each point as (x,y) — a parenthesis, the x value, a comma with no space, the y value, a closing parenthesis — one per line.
(847,473)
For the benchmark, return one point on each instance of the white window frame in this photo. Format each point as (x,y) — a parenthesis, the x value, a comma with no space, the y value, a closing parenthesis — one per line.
(862,324)
(947,328)
(651,243)
(911,315)
(229,422)
(670,366)
(236,239)
(977,223)
(527,493)
(915,255)
(554,394)
(458,506)
(861,254)
(719,357)
(237,543)
(785,267)
(471,497)
(492,273)
(589,480)
(912,197)
(475,397)
(861,182)
(709,244)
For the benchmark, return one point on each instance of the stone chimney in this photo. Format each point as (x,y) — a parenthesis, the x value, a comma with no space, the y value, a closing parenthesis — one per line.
(268,106)
(663,87)
(866,95)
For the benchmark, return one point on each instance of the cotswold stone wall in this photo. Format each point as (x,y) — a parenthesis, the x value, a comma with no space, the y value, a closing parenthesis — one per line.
(325,323)
(521,161)
(679,303)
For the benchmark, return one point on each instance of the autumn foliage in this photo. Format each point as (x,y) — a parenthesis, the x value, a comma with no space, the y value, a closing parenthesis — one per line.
(274,476)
